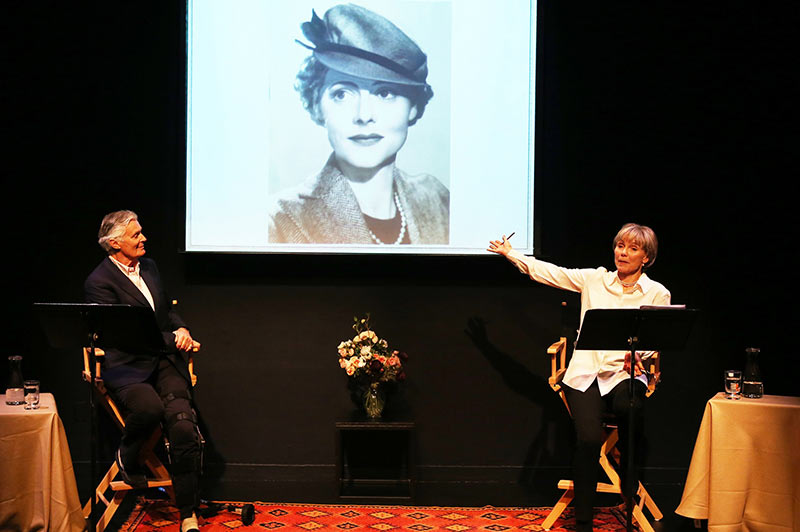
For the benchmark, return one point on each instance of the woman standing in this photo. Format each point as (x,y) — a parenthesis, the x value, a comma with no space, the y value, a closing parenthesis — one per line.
(597,381)
(365,82)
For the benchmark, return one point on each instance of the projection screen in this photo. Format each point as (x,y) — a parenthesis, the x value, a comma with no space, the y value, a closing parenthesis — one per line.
(373,154)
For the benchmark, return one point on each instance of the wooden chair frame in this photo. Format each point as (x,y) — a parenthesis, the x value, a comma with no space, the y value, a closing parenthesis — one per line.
(109,491)
(609,454)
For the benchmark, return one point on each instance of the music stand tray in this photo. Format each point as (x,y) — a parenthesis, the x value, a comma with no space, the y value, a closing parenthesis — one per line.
(653,328)
(78,325)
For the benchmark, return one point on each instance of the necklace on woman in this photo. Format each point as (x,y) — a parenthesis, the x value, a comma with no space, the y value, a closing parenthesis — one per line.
(402,226)
(626,285)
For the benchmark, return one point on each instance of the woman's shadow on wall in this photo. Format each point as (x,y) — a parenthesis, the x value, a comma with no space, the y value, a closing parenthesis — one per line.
(545,461)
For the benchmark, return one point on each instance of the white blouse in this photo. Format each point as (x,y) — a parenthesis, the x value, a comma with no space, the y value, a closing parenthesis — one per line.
(599,288)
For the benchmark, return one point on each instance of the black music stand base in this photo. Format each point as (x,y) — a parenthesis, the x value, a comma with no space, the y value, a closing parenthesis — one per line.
(626,329)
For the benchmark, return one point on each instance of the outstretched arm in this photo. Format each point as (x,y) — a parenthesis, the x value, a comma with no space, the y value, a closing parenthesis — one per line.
(541,271)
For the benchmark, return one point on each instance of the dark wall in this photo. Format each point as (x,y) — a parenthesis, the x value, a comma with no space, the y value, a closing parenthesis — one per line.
(672,116)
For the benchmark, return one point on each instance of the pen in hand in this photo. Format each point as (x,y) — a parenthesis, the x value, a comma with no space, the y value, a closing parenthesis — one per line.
(512,234)
(499,246)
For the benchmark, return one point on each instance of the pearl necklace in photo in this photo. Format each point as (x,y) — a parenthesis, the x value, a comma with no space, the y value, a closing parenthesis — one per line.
(402,226)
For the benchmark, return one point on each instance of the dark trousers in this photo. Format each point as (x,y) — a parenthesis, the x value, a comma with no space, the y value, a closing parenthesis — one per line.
(164,398)
(588,409)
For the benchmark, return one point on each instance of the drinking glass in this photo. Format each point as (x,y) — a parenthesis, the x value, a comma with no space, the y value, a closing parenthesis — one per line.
(733,384)
(31,394)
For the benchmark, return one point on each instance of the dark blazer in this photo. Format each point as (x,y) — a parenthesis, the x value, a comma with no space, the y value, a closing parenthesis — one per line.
(107,284)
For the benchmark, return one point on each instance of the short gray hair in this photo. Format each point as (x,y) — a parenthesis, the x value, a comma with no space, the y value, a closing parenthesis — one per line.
(644,237)
(112,227)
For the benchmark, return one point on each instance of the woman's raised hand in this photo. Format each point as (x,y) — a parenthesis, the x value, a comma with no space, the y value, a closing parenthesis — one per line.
(501,247)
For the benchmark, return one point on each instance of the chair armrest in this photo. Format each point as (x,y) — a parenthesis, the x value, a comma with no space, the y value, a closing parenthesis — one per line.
(558,361)
(189,359)
(558,377)
(653,366)
(558,356)
(555,384)
(555,380)
(652,383)
(190,363)
(98,354)
(557,346)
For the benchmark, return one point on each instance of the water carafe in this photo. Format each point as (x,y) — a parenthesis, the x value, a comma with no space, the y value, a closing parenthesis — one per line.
(752,385)
(14,391)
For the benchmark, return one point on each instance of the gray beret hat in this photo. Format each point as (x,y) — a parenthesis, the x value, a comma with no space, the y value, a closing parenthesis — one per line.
(361,43)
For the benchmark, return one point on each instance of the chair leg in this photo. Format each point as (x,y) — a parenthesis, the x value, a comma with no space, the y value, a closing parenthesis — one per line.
(645,501)
(641,520)
(649,503)
(160,476)
(99,495)
(102,487)
(112,508)
(558,509)
(615,486)
(119,489)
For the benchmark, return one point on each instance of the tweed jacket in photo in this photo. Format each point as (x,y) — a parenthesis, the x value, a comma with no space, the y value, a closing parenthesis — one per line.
(324,210)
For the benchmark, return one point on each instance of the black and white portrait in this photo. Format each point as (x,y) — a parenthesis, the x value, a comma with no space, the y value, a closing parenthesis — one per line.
(364,83)
(379,126)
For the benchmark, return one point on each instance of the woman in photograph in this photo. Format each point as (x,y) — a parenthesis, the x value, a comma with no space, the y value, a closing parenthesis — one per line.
(598,381)
(365,82)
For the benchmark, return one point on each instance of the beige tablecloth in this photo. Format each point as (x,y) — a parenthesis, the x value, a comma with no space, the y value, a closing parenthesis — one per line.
(745,469)
(37,483)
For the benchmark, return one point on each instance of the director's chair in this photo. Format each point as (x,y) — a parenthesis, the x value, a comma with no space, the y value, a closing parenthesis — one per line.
(111,492)
(609,454)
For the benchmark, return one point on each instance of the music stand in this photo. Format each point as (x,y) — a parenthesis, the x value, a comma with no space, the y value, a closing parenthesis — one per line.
(649,328)
(80,325)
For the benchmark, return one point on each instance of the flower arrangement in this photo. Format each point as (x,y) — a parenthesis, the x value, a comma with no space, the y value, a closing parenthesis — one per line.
(368,359)
(372,367)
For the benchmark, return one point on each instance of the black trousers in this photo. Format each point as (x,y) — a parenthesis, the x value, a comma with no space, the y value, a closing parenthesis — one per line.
(588,411)
(164,398)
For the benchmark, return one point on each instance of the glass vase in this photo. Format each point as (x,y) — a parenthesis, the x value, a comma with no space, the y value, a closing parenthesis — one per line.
(14,390)
(374,400)
(752,385)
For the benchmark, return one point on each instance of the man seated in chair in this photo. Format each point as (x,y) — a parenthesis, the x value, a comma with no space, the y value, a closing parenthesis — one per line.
(151,387)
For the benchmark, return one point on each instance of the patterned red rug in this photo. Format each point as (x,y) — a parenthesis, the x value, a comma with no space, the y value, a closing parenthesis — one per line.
(158,515)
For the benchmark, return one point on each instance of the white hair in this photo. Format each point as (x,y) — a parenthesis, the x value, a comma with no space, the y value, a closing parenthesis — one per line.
(113,227)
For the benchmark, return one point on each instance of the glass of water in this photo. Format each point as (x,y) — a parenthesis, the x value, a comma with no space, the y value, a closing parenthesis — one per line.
(733,384)
(31,394)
